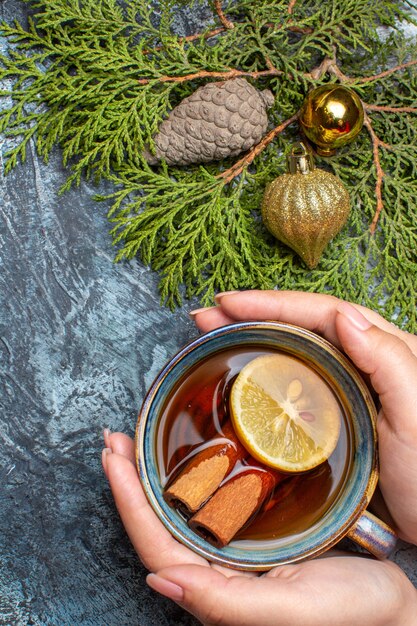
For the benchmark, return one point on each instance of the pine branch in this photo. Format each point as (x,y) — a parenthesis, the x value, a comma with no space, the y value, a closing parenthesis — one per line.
(97,77)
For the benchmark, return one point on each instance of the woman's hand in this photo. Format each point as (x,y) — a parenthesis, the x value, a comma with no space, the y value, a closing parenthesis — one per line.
(338,590)
(379,349)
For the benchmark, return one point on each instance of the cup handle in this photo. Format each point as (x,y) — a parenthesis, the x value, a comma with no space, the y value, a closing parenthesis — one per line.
(374,535)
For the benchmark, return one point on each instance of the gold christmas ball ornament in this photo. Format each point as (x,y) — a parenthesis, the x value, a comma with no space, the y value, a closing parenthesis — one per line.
(331,116)
(306,207)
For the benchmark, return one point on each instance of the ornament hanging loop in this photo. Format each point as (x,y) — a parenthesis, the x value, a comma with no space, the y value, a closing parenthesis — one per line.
(300,160)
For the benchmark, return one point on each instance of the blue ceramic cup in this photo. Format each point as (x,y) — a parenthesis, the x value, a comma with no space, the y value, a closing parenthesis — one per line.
(347,515)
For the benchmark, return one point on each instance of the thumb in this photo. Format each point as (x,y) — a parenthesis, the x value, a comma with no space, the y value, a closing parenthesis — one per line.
(215,598)
(388,360)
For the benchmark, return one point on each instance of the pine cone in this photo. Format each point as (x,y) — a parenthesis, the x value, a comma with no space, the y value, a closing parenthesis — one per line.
(218,120)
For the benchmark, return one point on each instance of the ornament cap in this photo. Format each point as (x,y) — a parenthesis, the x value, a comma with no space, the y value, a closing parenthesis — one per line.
(300,160)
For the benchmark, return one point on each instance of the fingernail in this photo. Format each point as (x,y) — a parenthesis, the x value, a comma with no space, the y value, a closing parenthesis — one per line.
(194,313)
(165,587)
(104,454)
(354,316)
(106,437)
(220,295)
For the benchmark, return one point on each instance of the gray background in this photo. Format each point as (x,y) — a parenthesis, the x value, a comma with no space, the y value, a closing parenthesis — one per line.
(80,341)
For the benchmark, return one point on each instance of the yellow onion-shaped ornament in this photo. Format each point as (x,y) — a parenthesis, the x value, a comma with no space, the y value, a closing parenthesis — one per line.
(306,207)
(331,116)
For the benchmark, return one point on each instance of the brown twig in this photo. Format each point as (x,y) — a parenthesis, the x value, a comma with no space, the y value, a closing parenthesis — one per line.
(368,79)
(378,107)
(226,22)
(205,74)
(377,143)
(269,63)
(291,6)
(303,30)
(236,169)
(328,66)
(306,30)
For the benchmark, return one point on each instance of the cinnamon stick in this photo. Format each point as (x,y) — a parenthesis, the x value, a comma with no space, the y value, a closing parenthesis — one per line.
(205,471)
(234,504)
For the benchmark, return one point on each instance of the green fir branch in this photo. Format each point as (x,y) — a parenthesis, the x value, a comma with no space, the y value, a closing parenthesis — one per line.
(97,77)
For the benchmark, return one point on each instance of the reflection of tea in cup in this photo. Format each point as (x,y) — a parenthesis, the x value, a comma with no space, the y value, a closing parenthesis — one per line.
(202,482)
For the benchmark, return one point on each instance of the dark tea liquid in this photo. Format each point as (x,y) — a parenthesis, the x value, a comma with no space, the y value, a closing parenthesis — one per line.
(193,416)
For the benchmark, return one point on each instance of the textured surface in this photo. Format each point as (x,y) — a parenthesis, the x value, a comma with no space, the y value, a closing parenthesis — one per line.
(80,340)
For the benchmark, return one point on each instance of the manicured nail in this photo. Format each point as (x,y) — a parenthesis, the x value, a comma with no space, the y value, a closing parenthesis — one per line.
(192,314)
(106,437)
(104,454)
(219,296)
(354,316)
(165,587)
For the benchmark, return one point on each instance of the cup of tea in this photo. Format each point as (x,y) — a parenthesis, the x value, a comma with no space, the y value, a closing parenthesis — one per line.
(220,499)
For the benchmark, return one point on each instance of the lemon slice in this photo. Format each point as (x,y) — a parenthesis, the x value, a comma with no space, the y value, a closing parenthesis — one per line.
(284,413)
